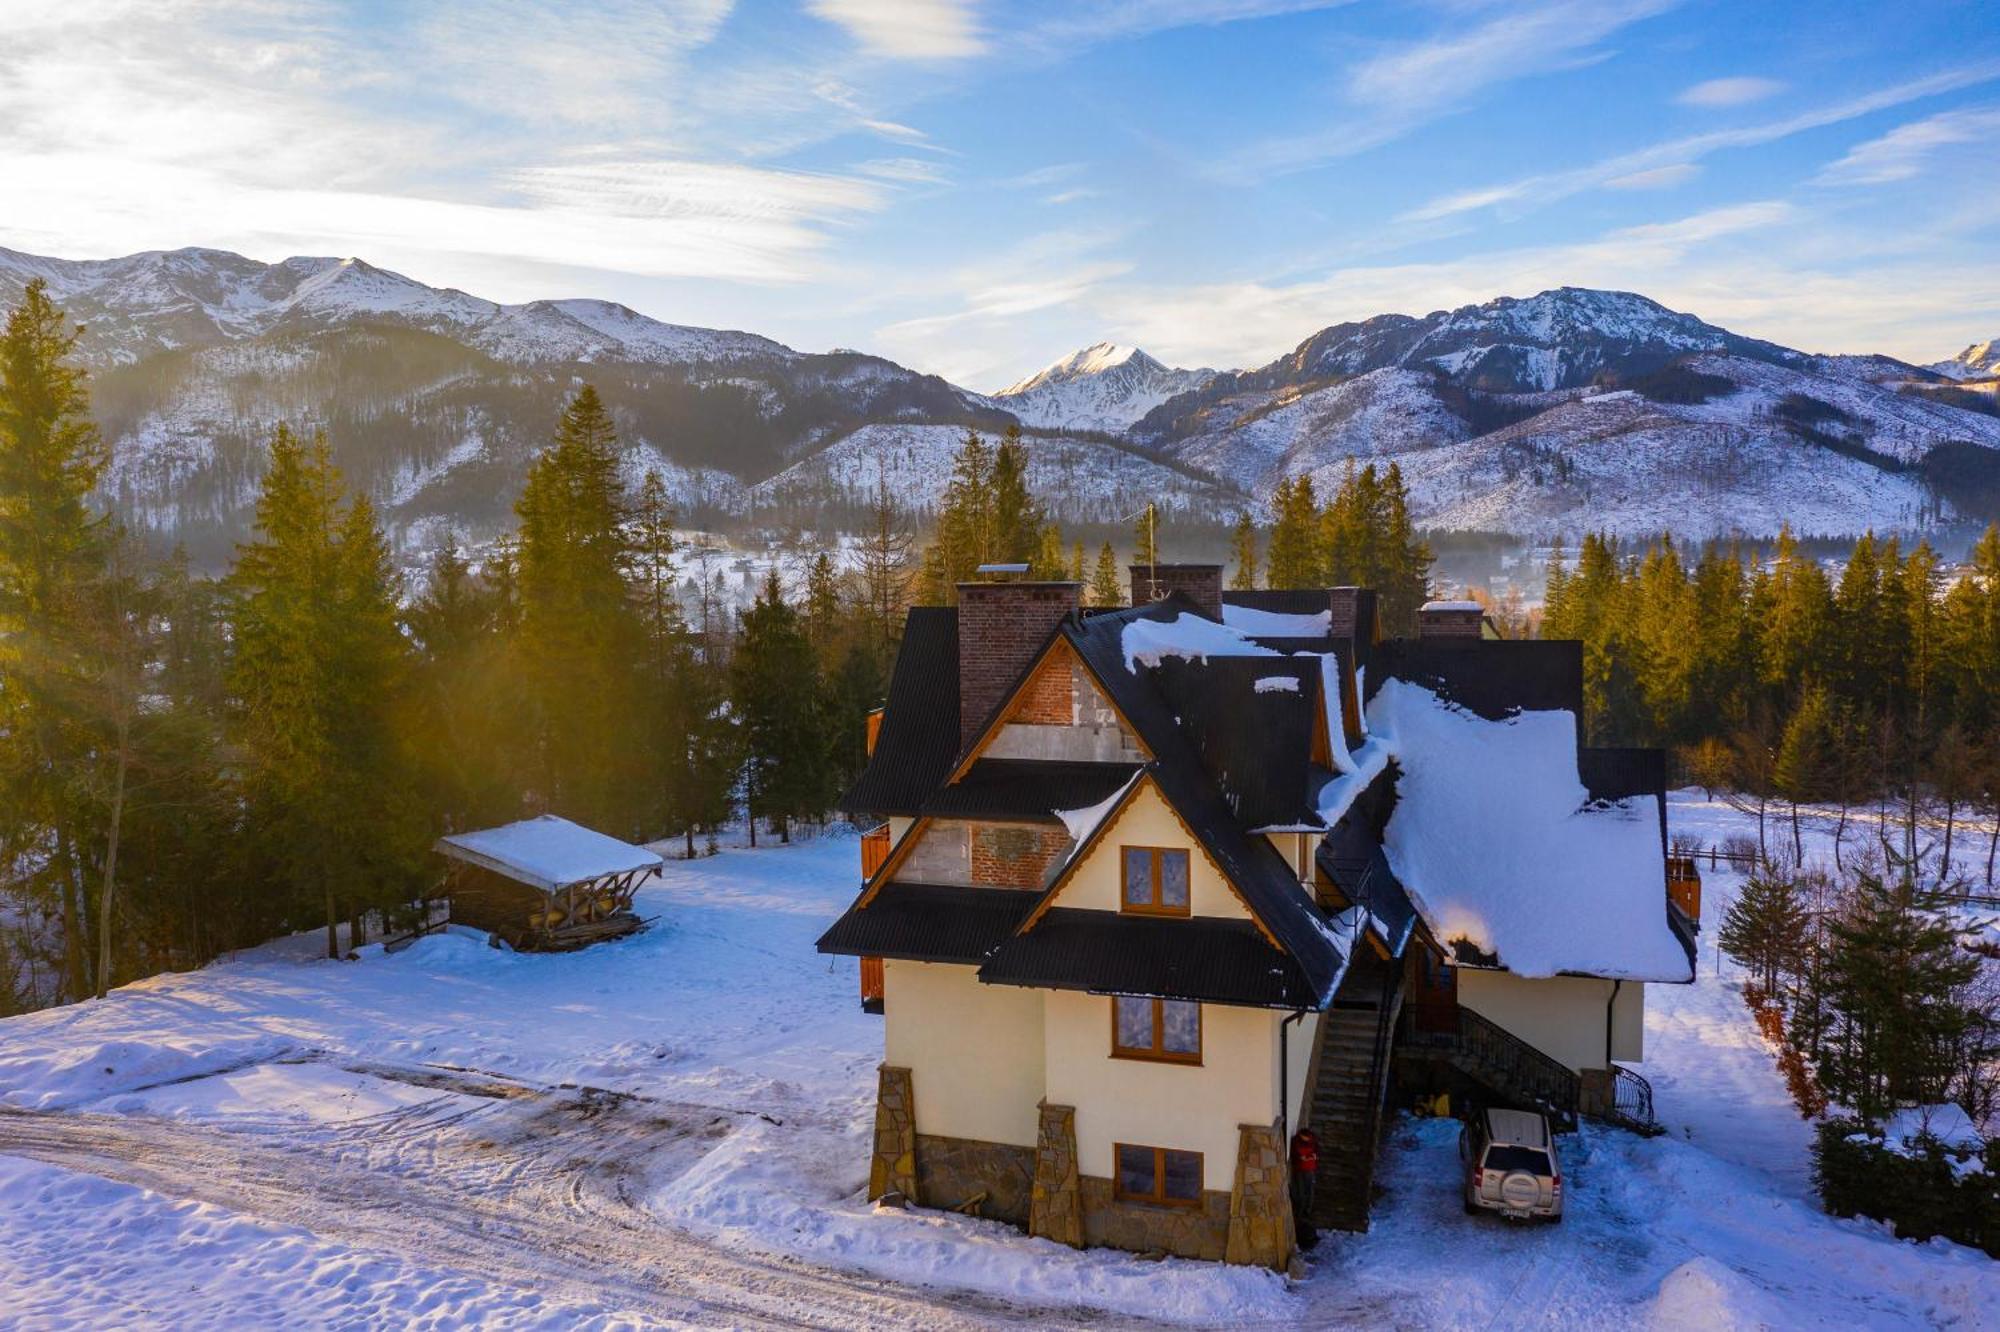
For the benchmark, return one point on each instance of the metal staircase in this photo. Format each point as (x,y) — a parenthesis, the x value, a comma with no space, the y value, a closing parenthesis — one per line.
(1350,1083)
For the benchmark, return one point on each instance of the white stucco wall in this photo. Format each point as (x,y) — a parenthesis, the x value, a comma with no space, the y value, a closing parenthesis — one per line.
(1148,822)
(974,1051)
(1298,1050)
(1563,1016)
(1183,1106)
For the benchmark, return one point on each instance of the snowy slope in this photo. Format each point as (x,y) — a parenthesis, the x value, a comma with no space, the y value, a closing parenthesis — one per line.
(1102,387)
(1979,361)
(1078,479)
(673,1130)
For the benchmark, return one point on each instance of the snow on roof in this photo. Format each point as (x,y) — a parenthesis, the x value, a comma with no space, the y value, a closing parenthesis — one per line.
(547,852)
(1192,636)
(1083,822)
(1277,624)
(1277,684)
(1492,839)
(1452,606)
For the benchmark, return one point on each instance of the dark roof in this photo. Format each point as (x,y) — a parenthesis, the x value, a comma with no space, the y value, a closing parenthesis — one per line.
(919,738)
(1493,678)
(1109,952)
(921,922)
(1374,885)
(1026,789)
(1257,747)
(1281,600)
(1250,863)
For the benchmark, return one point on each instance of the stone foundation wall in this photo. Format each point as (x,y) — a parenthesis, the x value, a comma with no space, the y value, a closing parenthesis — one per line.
(951,1170)
(893,1166)
(1187,1232)
(1261,1231)
(1057,1212)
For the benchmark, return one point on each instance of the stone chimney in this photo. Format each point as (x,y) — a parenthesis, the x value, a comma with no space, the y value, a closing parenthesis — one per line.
(1354,614)
(1203,582)
(1439,621)
(1001,626)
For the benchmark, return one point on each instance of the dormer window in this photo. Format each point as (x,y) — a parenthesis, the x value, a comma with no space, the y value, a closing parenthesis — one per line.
(1155,880)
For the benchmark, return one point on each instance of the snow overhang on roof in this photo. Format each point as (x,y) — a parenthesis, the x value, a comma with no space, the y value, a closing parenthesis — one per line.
(548,852)
(1499,844)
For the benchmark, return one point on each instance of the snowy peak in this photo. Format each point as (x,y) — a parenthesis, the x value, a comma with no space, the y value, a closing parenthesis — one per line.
(163,300)
(1979,361)
(1105,386)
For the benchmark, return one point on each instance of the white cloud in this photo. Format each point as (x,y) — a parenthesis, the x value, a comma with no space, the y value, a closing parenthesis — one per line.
(1408,86)
(1730,92)
(907,29)
(1658,178)
(1904,152)
(1544,188)
(904,170)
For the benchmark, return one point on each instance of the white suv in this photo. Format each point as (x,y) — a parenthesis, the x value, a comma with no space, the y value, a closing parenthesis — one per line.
(1510,1166)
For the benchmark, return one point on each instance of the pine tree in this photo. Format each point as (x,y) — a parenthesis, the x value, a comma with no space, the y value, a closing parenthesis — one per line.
(1016,523)
(1105,589)
(1294,548)
(1076,564)
(963,537)
(465,696)
(1804,757)
(1146,536)
(579,636)
(1765,928)
(1243,554)
(318,662)
(53,548)
(822,608)
(1895,977)
(774,690)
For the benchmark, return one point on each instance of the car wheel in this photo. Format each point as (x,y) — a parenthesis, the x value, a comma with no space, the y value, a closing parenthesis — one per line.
(1555,1220)
(1471,1207)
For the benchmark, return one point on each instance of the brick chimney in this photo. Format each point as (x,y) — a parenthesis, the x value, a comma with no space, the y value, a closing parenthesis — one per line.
(1439,621)
(1001,625)
(1203,582)
(1354,614)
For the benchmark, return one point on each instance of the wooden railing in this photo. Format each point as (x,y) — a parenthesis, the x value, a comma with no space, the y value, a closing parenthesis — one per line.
(1684,886)
(871,982)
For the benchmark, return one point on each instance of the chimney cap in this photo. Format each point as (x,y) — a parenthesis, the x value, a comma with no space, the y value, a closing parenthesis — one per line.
(1001,569)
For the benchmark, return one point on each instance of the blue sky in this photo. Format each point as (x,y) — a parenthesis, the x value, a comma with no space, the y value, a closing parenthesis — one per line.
(976,188)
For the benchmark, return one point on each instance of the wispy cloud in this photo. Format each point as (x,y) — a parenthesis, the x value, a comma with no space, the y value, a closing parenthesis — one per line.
(907,29)
(1907,150)
(1738,91)
(1545,188)
(904,170)
(1405,87)
(1659,178)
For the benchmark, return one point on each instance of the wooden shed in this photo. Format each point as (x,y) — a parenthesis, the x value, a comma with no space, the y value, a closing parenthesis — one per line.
(545,883)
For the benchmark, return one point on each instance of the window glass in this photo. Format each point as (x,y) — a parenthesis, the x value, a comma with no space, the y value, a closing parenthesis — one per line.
(1135,1171)
(1135,1024)
(1174,879)
(1181,1023)
(1517,1158)
(1182,1182)
(1138,876)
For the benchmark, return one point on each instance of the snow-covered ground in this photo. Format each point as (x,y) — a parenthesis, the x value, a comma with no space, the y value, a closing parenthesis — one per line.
(672,1130)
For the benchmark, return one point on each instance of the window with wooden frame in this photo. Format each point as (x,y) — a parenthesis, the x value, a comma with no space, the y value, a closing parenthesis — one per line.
(1154,880)
(1157,1175)
(1164,1029)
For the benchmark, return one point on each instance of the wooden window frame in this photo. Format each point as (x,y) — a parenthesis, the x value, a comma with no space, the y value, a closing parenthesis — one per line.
(1158,1197)
(1158,1053)
(1157,906)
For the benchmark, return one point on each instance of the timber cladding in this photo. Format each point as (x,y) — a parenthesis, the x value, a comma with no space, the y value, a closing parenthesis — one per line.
(1014,855)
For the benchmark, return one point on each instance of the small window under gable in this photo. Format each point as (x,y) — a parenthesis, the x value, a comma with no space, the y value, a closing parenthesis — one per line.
(1153,880)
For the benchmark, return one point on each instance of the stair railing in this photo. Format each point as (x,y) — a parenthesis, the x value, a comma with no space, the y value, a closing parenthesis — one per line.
(1632,1100)
(1516,1067)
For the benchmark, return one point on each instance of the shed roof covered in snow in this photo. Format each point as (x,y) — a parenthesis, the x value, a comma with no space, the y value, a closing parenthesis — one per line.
(548,852)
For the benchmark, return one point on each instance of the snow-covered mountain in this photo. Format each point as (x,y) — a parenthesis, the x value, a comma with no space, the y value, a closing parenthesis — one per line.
(1979,361)
(1103,387)
(1555,413)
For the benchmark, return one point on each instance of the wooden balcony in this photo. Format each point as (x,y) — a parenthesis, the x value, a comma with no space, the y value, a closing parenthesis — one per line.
(871,984)
(874,850)
(1684,887)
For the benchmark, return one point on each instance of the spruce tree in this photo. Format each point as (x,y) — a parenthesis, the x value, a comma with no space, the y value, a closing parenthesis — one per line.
(579,638)
(1765,928)
(774,690)
(317,666)
(1243,554)
(1293,559)
(963,536)
(1805,757)
(1105,588)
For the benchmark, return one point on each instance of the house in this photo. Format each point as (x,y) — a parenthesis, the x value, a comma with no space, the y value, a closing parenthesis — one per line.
(1155,886)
